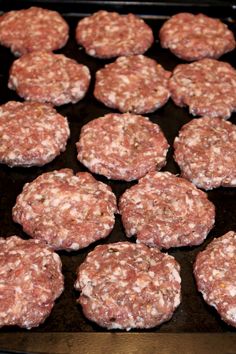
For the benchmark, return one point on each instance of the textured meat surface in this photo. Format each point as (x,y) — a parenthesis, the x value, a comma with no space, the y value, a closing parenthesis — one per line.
(48,77)
(205,152)
(125,285)
(32,134)
(192,37)
(109,34)
(135,84)
(30,282)
(215,273)
(207,86)
(166,211)
(122,146)
(66,211)
(33,29)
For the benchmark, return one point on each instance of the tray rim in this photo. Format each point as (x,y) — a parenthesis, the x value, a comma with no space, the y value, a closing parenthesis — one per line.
(119,343)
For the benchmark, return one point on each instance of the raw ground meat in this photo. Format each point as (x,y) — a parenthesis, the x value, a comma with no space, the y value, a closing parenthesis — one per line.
(205,152)
(192,37)
(30,282)
(215,273)
(122,146)
(66,211)
(33,29)
(135,84)
(166,211)
(49,77)
(207,86)
(109,34)
(31,133)
(125,285)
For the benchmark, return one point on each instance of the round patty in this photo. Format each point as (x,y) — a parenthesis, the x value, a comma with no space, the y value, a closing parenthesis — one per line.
(32,134)
(66,211)
(205,152)
(33,29)
(109,34)
(192,37)
(215,273)
(165,211)
(122,146)
(30,282)
(207,86)
(125,285)
(48,77)
(135,84)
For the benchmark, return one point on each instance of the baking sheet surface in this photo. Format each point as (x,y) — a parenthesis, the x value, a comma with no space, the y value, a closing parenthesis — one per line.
(193,315)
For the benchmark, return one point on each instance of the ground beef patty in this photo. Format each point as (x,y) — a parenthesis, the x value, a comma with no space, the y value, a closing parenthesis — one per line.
(66,211)
(122,146)
(30,282)
(207,86)
(125,285)
(48,77)
(108,34)
(192,37)
(166,211)
(31,133)
(33,29)
(215,273)
(205,152)
(135,84)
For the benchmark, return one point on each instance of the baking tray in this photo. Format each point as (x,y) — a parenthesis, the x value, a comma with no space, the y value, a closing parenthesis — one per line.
(194,326)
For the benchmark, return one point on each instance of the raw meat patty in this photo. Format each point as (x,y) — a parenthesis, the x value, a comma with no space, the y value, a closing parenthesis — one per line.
(207,86)
(205,152)
(66,211)
(48,77)
(33,29)
(125,285)
(30,282)
(31,134)
(108,34)
(166,211)
(122,146)
(135,84)
(215,273)
(192,37)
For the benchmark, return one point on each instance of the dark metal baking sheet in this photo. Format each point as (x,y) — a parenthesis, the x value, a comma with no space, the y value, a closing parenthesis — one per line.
(193,315)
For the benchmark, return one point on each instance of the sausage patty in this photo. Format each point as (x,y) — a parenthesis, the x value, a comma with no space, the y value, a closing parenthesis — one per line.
(135,84)
(66,211)
(192,37)
(165,211)
(32,29)
(32,134)
(215,273)
(48,77)
(109,34)
(125,285)
(122,146)
(30,282)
